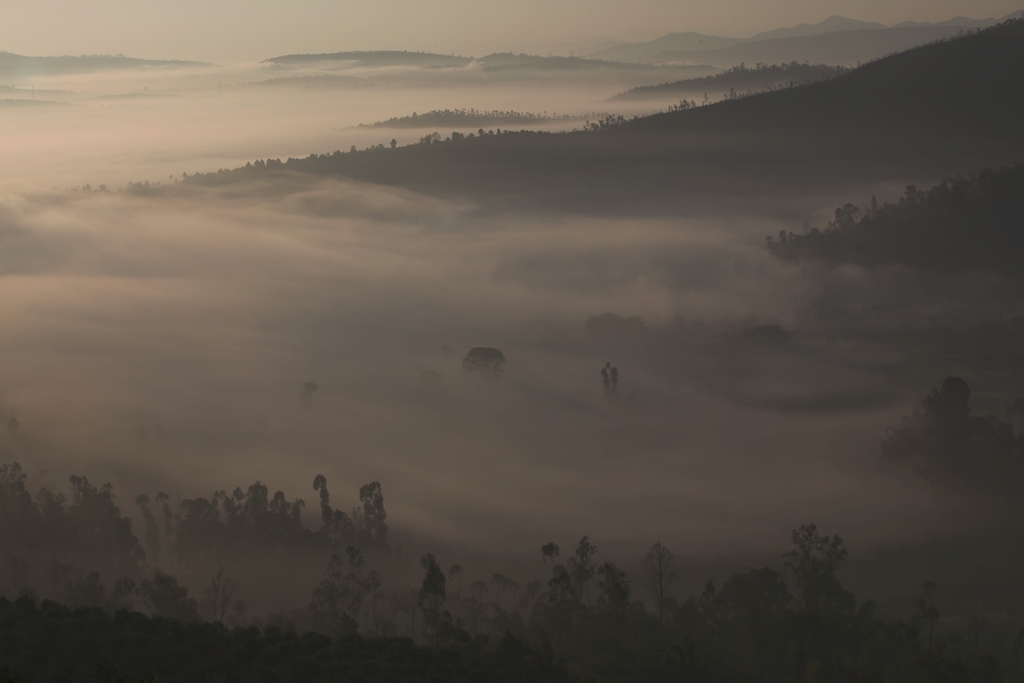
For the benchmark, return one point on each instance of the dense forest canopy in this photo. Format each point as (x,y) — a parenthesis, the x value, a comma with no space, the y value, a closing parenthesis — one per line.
(473,117)
(759,77)
(964,223)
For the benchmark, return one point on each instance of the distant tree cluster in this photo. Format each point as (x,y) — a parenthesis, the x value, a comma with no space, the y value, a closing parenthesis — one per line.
(51,531)
(796,625)
(761,76)
(943,441)
(966,223)
(472,117)
(484,361)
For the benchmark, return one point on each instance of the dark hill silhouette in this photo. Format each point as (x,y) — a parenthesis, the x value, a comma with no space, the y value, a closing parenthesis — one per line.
(923,113)
(968,86)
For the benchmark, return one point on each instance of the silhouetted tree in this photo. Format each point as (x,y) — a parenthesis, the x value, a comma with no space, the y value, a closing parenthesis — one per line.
(610,381)
(613,585)
(219,596)
(659,563)
(432,596)
(813,562)
(372,498)
(581,567)
(167,598)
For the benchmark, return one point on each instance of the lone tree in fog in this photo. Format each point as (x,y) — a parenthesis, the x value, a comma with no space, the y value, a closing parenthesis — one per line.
(549,552)
(659,563)
(219,596)
(372,498)
(610,381)
(432,595)
(483,360)
(308,389)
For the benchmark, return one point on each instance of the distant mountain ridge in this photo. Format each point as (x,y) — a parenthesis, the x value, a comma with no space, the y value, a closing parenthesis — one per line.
(691,46)
(922,113)
(15,65)
(374,58)
(840,48)
(833,24)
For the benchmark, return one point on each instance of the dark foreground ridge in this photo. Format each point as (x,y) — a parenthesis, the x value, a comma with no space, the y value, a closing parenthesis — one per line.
(921,113)
(96,645)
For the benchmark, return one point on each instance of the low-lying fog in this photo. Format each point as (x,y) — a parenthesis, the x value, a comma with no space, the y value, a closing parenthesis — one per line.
(111,128)
(163,341)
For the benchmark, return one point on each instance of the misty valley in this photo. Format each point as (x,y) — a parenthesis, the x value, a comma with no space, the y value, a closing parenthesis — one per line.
(692,359)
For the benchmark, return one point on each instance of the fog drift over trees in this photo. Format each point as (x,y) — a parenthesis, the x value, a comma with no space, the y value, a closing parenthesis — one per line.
(543,404)
(374,613)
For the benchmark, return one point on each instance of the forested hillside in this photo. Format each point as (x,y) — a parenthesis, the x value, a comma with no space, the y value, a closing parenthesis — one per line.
(944,106)
(964,223)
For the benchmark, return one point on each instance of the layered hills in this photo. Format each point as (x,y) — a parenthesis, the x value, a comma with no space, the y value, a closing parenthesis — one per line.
(836,40)
(923,113)
(13,66)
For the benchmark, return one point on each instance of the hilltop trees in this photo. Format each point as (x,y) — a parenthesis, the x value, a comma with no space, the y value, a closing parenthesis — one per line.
(487,362)
(813,563)
(944,442)
(375,530)
(87,530)
(963,223)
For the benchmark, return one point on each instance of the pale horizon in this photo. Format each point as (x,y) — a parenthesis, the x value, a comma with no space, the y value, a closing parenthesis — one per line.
(233,32)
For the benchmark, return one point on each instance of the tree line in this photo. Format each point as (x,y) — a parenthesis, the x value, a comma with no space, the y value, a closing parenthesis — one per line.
(585,623)
(961,224)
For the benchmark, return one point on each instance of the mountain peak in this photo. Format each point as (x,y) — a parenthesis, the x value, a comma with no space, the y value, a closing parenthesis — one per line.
(830,25)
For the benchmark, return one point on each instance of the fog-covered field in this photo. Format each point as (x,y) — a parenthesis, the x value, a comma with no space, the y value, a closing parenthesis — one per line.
(161,338)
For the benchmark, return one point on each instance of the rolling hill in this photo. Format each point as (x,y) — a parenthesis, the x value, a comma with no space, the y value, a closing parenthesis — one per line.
(13,66)
(833,24)
(373,58)
(924,113)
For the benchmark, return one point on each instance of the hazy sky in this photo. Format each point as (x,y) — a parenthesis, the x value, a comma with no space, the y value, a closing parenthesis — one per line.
(227,30)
